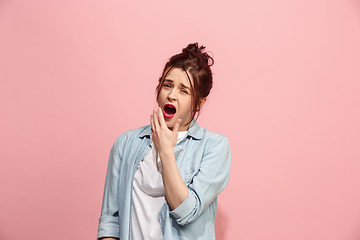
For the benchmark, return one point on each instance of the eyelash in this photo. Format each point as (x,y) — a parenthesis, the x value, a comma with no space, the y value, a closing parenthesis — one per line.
(169,86)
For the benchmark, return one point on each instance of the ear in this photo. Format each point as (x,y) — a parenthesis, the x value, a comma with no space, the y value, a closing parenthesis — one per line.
(202,102)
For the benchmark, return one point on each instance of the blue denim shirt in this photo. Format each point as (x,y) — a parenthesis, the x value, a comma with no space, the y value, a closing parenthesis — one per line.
(203,160)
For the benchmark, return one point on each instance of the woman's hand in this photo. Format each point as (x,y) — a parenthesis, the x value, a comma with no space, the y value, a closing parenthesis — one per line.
(163,138)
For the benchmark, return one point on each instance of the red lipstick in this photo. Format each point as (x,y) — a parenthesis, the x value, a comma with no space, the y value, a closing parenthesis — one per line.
(169,111)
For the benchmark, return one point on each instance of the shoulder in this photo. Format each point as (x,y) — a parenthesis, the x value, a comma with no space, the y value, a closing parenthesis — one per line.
(137,132)
(204,134)
(133,135)
(212,136)
(212,140)
(215,149)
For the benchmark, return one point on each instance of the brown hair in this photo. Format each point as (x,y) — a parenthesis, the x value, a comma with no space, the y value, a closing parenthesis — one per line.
(194,60)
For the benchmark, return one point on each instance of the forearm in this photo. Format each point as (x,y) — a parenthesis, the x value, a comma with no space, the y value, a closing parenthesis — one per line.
(175,189)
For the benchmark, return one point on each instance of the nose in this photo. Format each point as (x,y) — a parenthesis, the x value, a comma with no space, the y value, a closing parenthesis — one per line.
(172,95)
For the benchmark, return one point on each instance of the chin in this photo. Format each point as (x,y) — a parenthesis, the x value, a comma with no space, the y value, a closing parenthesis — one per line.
(170,125)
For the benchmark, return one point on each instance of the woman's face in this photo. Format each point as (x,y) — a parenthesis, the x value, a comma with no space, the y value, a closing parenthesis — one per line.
(175,98)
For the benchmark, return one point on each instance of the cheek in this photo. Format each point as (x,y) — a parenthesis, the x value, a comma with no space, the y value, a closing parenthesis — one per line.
(189,107)
(160,97)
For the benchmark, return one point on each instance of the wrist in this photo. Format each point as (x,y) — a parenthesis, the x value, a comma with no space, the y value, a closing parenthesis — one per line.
(166,153)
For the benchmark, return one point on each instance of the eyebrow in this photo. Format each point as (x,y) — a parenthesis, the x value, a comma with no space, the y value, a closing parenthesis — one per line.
(183,85)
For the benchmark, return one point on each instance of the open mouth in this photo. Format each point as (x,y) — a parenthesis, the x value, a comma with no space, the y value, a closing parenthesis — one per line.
(169,110)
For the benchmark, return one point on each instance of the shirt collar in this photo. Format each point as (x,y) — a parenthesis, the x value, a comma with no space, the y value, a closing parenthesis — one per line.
(193,131)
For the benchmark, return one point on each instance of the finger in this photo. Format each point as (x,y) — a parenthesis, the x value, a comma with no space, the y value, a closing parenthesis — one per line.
(156,120)
(161,118)
(176,126)
(152,122)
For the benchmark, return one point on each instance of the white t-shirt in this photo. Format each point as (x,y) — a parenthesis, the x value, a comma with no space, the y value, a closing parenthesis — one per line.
(148,196)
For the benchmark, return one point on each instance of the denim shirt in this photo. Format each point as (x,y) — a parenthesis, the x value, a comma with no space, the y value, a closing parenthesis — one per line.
(203,160)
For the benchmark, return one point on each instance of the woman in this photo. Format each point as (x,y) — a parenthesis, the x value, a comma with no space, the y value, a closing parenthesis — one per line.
(163,179)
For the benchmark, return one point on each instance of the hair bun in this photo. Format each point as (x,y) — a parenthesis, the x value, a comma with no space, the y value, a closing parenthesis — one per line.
(194,49)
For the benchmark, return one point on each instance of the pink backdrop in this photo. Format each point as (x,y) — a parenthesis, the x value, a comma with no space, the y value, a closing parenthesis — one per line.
(76,74)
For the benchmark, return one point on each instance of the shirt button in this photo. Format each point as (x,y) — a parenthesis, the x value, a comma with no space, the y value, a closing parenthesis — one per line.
(164,219)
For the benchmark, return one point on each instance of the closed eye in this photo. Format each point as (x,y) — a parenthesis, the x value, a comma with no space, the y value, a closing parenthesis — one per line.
(184,91)
(166,85)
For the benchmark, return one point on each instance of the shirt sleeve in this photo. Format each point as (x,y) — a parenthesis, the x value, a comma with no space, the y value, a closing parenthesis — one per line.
(207,183)
(109,220)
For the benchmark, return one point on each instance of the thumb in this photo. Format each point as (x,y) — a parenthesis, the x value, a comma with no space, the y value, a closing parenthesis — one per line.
(176,126)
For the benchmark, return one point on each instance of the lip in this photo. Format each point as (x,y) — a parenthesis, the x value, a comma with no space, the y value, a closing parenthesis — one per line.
(168,116)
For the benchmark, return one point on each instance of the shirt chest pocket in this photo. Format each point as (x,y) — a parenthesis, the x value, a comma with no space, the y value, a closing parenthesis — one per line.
(188,162)
(188,171)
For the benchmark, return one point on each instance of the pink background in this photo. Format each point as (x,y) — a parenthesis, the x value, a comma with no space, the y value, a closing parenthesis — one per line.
(76,74)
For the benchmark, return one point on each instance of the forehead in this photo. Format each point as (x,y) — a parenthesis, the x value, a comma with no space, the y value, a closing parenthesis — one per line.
(179,76)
